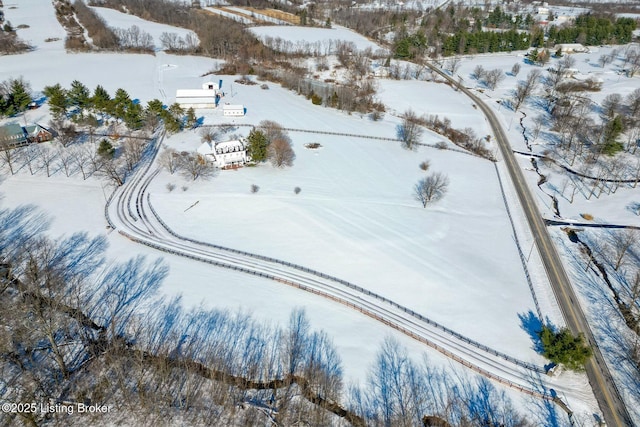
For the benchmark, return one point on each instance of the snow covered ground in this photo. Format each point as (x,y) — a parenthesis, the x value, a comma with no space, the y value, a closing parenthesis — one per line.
(312,35)
(611,208)
(117,19)
(355,217)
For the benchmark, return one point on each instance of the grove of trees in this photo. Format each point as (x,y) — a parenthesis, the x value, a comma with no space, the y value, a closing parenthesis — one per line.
(270,141)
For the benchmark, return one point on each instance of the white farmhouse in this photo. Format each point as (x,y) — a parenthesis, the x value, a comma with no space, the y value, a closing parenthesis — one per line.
(233,110)
(225,154)
(207,97)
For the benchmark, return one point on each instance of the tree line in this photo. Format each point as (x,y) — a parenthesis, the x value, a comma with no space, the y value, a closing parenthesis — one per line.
(86,330)
(95,107)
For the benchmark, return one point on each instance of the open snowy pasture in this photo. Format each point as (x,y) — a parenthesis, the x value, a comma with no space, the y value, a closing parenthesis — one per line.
(117,19)
(355,218)
(72,205)
(300,36)
(426,98)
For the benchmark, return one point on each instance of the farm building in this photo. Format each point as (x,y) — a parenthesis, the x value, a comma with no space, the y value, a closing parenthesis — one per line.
(14,135)
(207,97)
(36,133)
(570,48)
(225,154)
(233,110)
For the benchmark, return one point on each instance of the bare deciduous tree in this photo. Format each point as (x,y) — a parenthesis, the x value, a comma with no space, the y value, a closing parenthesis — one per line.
(65,132)
(31,154)
(81,159)
(478,72)
(280,152)
(452,64)
(132,150)
(8,155)
(493,78)
(65,158)
(47,157)
(195,165)
(611,104)
(409,132)
(113,171)
(621,243)
(431,188)
(208,134)
(169,159)
(515,69)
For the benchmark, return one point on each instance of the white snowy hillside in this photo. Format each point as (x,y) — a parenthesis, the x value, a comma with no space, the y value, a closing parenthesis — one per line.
(117,19)
(326,37)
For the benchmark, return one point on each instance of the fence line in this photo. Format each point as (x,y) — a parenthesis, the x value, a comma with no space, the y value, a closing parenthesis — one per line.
(360,309)
(515,236)
(352,286)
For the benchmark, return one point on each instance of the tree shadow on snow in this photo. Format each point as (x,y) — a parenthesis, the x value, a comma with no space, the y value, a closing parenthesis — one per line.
(532,325)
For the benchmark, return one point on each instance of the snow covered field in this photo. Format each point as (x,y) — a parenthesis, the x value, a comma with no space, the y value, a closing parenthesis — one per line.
(117,19)
(299,36)
(355,217)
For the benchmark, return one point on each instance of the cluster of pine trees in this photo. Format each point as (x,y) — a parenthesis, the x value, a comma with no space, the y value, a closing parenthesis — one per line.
(14,97)
(80,103)
(519,33)
(593,30)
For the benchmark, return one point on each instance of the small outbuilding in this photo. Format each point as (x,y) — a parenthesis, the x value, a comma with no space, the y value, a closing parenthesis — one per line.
(236,110)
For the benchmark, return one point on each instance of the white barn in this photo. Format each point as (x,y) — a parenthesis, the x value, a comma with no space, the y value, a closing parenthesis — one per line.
(233,110)
(225,154)
(207,97)
(570,48)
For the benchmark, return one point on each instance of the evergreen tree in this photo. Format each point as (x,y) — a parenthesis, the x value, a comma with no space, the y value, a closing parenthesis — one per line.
(121,102)
(58,101)
(106,150)
(155,106)
(79,95)
(133,115)
(19,96)
(176,110)
(258,144)
(171,123)
(562,348)
(191,119)
(101,100)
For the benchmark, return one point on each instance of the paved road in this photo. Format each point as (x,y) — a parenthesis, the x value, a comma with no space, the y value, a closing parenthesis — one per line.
(613,408)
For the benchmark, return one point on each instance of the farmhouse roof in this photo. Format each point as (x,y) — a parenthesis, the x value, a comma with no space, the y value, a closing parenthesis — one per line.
(12,132)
